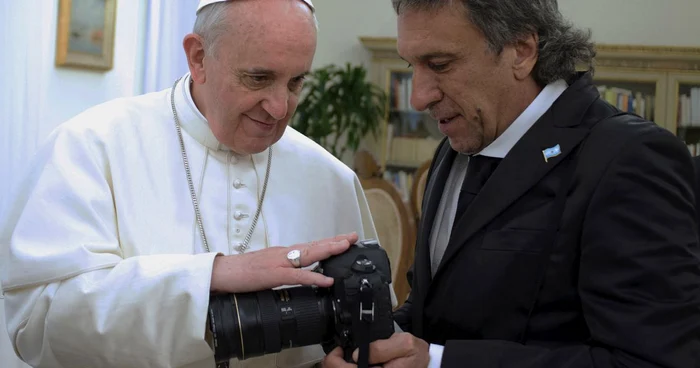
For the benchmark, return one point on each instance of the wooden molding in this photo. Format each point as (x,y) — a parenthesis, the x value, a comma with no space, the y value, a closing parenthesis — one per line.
(648,57)
(643,57)
(381,47)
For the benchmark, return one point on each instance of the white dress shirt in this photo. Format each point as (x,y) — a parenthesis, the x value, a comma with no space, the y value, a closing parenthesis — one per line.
(105,266)
(499,148)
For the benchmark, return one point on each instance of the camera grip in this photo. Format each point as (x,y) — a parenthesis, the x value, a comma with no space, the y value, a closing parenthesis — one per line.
(347,354)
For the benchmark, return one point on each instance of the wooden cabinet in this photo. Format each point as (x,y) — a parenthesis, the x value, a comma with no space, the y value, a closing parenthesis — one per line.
(408,137)
(684,95)
(667,72)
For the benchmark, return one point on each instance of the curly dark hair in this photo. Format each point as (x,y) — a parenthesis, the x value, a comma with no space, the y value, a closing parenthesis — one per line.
(562,47)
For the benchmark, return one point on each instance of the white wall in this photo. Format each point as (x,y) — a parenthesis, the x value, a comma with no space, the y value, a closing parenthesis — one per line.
(35,96)
(658,22)
(71,91)
(341,22)
(655,22)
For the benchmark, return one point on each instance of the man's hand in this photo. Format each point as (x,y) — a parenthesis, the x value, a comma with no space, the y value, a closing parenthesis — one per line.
(400,350)
(269,268)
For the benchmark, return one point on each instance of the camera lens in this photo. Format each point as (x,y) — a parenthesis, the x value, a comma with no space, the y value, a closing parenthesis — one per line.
(265,322)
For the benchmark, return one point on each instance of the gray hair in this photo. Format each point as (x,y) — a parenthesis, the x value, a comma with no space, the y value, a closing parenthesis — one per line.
(211,24)
(561,47)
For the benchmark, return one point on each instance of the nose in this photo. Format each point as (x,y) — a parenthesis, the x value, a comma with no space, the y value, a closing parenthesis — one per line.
(277,103)
(425,90)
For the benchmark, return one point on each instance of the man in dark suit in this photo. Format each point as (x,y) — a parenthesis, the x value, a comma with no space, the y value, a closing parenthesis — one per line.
(556,231)
(696,162)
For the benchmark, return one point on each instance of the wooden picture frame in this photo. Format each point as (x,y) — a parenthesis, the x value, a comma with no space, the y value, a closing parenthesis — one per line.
(85,34)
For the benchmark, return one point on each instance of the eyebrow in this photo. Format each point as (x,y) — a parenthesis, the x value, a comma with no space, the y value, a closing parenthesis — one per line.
(262,71)
(257,71)
(435,55)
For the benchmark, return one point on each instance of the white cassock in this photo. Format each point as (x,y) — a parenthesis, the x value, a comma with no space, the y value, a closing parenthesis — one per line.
(106,266)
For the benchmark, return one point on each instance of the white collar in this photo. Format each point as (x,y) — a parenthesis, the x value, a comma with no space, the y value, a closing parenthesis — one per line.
(191,119)
(544,100)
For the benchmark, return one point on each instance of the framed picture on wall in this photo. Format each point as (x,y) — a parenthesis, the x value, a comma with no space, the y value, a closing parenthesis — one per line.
(85,34)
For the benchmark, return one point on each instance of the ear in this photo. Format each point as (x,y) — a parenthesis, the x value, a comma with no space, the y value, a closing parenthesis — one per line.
(526,52)
(194,50)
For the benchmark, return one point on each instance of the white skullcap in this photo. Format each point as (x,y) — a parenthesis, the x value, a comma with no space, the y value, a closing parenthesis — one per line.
(203,3)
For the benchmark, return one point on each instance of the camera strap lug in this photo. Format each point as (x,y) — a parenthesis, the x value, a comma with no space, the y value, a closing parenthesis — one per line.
(366,318)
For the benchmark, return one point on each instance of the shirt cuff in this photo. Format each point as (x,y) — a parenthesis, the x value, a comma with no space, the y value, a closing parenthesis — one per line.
(435,355)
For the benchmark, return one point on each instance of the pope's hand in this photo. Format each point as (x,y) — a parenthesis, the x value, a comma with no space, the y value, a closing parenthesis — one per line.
(400,350)
(269,268)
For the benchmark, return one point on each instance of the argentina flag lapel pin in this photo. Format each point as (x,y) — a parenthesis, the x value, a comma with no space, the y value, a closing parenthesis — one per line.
(551,152)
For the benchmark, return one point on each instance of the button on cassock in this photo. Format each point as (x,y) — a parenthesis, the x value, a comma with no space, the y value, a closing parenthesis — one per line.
(237,184)
(239,215)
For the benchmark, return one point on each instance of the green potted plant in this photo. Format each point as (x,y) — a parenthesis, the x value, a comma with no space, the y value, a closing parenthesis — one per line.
(339,107)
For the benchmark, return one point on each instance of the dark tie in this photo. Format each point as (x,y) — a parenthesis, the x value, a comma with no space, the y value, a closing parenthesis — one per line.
(479,170)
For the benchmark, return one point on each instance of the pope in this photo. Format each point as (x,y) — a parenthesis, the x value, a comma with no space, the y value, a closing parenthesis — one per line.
(136,210)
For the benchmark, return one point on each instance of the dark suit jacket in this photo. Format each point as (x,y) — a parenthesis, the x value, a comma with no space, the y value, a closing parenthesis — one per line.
(619,284)
(696,162)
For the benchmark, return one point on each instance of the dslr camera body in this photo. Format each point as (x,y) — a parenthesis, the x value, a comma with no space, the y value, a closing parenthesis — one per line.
(352,313)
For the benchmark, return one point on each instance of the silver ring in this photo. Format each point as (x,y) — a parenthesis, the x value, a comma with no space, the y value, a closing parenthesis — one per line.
(294,256)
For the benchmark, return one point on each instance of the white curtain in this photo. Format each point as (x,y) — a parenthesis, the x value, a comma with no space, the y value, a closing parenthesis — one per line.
(168,21)
(25,29)
(23,88)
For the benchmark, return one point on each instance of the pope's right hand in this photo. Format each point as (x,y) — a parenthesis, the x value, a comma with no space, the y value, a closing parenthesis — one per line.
(269,268)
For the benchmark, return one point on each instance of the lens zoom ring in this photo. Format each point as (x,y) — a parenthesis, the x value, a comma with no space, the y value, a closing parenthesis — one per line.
(269,313)
(309,327)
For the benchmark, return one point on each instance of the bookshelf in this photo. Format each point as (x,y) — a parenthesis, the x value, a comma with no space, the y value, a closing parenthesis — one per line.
(659,83)
(634,93)
(662,74)
(685,96)
(410,137)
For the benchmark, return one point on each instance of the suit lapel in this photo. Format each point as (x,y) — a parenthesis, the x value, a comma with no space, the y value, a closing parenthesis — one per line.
(434,190)
(525,164)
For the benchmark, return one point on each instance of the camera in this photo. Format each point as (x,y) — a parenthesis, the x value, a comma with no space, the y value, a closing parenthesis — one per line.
(353,312)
